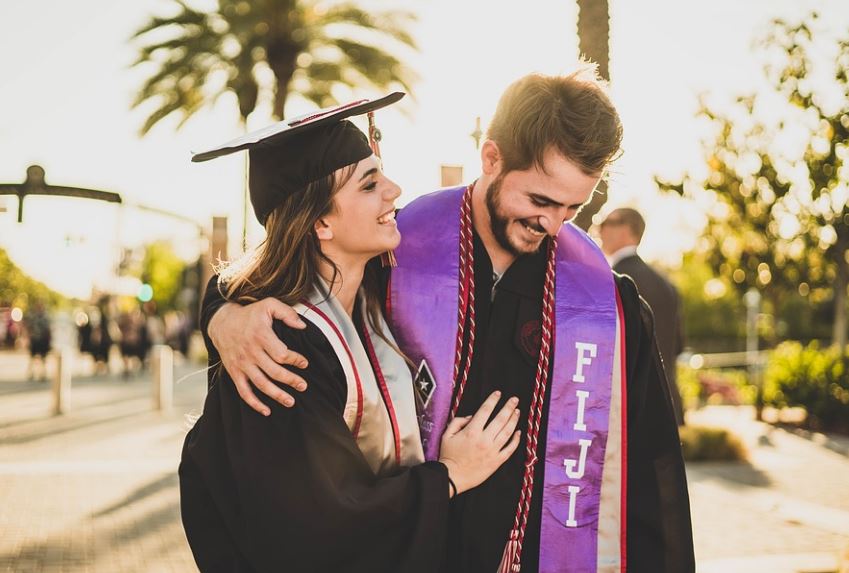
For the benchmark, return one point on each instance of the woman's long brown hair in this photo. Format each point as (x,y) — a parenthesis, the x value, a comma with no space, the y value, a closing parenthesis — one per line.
(286,264)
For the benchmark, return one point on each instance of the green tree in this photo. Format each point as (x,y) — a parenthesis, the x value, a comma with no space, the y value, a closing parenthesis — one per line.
(19,289)
(163,270)
(267,49)
(310,47)
(777,212)
(714,319)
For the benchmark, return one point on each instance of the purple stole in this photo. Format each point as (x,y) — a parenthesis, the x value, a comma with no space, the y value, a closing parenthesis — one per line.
(586,376)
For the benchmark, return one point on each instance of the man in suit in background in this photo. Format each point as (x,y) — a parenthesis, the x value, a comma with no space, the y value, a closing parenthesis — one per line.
(621,233)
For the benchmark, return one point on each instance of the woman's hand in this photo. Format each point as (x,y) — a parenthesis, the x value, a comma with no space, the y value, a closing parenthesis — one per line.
(253,354)
(472,450)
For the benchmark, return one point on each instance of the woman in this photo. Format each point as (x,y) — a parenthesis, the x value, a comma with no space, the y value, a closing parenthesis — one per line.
(336,483)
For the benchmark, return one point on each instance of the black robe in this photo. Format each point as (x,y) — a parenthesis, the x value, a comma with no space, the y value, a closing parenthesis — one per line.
(659,532)
(293,492)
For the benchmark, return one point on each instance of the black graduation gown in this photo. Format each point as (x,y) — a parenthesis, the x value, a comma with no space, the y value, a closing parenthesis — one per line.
(659,532)
(293,492)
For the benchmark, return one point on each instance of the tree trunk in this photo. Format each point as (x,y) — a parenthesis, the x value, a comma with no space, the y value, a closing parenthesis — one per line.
(283,60)
(838,337)
(594,33)
(281,94)
(246,198)
(594,43)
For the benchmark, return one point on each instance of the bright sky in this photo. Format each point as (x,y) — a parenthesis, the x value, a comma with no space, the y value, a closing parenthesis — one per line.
(66,91)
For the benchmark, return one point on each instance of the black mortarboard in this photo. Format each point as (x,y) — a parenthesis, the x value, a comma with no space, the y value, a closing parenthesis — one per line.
(288,155)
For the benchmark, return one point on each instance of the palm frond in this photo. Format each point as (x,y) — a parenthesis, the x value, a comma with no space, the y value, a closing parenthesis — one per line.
(171,71)
(319,93)
(390,23)
(187,17)
(186,50)
(188,44)
(185,100)
(324,71)
(380,67)
(167,107)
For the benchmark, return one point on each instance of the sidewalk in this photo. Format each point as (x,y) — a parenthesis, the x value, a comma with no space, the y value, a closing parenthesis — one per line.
(786,511)
(96,490)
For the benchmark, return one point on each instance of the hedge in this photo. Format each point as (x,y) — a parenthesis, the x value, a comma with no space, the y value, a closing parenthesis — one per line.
(814,378)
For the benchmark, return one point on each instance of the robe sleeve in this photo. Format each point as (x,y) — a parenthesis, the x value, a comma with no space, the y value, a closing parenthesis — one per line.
(293,492)
(659,529)
(212,301)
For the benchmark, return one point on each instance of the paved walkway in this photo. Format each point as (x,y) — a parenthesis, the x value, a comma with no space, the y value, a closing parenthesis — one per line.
(96,490)
(785,511)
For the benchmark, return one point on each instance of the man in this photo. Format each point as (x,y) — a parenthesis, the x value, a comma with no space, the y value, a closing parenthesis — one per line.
(37,325)
(620,234)
(599,484)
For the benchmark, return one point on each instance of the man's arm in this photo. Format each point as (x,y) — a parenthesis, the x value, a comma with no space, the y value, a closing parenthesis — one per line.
(250,351)
(679,323)
(659,529)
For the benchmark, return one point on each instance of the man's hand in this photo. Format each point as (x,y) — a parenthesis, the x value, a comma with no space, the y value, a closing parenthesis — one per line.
(253,354)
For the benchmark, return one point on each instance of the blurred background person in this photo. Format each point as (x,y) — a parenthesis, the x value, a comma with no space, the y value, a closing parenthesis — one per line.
(103,332)
(37,329)
(9,328)
(178,329)
(154,330)
(83,323)
(133,328)
(620,233)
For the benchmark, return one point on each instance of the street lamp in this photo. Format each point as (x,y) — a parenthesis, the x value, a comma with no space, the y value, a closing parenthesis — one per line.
(752,298)
(34,184)
(477,134)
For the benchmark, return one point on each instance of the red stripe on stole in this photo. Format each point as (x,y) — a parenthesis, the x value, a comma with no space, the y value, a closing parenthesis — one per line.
(623,530)
(359,419)
(387,304)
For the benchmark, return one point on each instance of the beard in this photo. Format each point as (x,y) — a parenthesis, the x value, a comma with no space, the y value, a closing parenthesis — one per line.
(499,222)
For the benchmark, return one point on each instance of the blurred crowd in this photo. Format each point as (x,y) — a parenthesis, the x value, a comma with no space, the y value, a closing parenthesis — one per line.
(100,330)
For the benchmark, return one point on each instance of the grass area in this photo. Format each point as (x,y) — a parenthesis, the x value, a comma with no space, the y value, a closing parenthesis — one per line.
(705,443)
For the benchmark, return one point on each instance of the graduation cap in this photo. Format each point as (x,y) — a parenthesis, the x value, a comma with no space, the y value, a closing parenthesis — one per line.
(287,156)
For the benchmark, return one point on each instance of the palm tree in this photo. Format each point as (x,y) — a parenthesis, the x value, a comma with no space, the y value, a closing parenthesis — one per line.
(594,43)
(309,47)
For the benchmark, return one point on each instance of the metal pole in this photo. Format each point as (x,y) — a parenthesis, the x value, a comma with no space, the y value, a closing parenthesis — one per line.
(62,381)
(162,363)
(753,303)
(246,200)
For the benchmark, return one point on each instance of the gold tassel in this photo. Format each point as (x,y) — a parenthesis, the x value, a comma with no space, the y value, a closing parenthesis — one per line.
(387,259)
(374,135)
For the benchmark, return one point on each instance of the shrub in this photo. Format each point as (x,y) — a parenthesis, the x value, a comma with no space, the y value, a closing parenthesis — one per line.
(816,379)
(702,443)
(714,386)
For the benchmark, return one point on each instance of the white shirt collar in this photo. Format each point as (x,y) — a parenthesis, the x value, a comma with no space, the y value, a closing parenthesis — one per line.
(622,253)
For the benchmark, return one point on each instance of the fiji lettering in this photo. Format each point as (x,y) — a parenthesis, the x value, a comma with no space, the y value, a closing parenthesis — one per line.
(571,470)
(583,360)
(575,468)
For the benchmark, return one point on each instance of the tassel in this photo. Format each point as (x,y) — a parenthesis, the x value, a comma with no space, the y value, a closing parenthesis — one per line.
(374,135)
(387,259)
(510,550)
